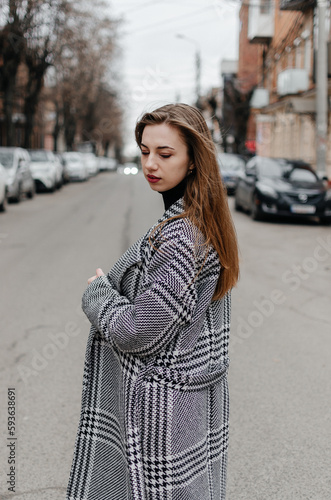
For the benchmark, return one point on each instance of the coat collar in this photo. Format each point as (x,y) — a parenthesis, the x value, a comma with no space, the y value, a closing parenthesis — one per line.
(174,209)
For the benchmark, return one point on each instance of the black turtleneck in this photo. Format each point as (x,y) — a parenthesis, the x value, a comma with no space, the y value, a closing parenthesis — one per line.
(173,194)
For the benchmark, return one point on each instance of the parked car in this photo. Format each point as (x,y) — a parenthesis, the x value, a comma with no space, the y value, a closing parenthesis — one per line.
(107,164)
(16,162)
(65,177)
(75,166)
(270,187)
(3,189)
(45,170)
(59,171)
(231,165)
(92,163)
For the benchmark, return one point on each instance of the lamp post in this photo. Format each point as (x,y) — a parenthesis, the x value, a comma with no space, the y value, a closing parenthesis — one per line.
(197,66)
(321,91)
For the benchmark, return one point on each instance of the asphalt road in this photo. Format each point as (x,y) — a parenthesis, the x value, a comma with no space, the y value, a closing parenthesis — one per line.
(280,437)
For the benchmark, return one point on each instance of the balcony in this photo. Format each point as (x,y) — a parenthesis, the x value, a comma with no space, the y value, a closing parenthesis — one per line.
(260,98)
(297,4)
(292,81)
(261,21)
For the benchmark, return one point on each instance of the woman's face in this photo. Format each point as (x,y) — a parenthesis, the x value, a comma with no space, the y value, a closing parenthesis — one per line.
(164,157)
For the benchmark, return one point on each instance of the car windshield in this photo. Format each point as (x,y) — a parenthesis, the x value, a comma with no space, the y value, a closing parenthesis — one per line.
(38,155)
(271,168)
(72,157)
(6,159)
(301,175)
(230,162)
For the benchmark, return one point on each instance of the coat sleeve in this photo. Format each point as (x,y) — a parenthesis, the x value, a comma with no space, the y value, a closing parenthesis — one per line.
(169,298)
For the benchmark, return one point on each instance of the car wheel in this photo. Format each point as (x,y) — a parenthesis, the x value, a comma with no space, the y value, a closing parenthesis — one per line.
(3,204)
(237,205)
(325,221)
(31,193)
(256,213)
(18,197)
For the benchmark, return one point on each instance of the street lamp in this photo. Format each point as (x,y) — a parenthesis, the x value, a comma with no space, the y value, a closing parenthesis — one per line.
(197,66)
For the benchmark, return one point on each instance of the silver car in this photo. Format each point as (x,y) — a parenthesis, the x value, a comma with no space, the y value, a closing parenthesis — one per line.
(92,163)
(16,162)
(75,166)
(44,168)
(3,189)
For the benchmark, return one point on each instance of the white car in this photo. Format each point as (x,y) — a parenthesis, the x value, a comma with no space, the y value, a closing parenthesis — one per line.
(75,166)
(16,162)
(44,169)
(59,171)
(3,189)
(92,163)
(109,164)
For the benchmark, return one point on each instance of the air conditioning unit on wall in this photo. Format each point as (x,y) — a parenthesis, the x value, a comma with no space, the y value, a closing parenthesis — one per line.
(260,98)
(292,81)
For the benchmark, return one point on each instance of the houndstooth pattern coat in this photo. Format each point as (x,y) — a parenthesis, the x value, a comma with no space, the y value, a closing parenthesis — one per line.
(154,417)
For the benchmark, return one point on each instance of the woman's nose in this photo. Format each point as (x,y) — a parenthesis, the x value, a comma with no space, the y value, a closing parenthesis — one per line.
(151,162)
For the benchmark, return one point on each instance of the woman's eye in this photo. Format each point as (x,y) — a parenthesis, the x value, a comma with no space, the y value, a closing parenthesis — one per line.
(165,156)
(144,152)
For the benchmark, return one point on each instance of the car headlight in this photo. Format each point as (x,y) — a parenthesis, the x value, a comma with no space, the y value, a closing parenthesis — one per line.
(127,170)
(328,195)
(267,190)
(134,170)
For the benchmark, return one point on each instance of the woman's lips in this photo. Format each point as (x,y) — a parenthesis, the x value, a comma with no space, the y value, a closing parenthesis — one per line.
(153,179)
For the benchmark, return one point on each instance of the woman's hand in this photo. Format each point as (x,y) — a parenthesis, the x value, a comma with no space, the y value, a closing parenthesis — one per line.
(99,272)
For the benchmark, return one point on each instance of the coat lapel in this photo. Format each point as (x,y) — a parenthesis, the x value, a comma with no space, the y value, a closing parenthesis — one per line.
(175,209)
(132,256)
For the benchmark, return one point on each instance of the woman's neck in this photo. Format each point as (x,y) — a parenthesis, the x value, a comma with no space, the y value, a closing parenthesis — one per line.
(173,194)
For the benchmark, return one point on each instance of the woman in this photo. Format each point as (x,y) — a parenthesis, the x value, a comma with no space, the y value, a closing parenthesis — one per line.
(154,419)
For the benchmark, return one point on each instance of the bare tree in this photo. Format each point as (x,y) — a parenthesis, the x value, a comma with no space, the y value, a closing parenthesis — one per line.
(236,111)
(86,51)
(44,23)
(78,40)
(29,36)
(12,45)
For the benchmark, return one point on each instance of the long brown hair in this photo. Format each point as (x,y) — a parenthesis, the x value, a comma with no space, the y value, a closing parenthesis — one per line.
(205,199)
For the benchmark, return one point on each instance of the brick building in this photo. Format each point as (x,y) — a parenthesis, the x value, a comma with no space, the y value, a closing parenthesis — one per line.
(248,68)
(284,104)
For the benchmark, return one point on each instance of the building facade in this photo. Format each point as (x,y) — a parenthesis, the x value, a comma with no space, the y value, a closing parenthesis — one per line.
(248,69)
(284,103)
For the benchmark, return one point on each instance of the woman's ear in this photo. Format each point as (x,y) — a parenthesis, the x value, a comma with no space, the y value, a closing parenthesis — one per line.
(190,169)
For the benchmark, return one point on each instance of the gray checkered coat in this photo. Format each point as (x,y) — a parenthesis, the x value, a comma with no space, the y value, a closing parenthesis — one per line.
(154,418)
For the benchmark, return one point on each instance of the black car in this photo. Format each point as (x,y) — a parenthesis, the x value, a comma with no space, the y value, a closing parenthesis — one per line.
(231,166)
(271,186)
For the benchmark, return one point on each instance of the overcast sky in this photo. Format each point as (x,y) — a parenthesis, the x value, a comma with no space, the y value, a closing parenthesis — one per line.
(156,66)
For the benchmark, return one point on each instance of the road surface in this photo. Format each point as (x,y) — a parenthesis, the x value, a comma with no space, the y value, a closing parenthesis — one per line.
(280,433)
